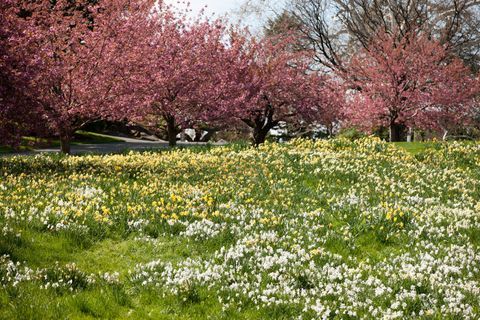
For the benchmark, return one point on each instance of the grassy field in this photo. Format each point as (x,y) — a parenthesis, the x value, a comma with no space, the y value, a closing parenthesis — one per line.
(304,230)
(81,137)
(415,147)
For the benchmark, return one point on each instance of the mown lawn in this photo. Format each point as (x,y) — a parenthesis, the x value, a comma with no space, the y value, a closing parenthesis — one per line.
(415,147)
(81,137)
(304,230)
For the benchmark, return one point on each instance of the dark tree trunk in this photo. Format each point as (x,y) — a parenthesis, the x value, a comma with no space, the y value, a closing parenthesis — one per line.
(209,135)
(262,124)
(172,131)
(198,135)
(65,140)
(397,132)
(260,134)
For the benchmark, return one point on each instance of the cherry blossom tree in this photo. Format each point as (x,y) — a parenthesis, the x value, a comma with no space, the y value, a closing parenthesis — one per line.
(193,74)
(401,83)
(327,99)
(274,83)
(179,78)
(75,76)
(454,104)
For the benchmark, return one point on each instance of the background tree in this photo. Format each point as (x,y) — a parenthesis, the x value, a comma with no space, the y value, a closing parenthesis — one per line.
(274,82)
(179,74)
(328,100)
(283,23)
(335,29)
(400,83)
(453,109)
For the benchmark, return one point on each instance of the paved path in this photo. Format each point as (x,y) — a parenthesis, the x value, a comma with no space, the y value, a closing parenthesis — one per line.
(108,148)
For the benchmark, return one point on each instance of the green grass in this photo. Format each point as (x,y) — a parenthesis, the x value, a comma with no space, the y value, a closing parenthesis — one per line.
(81,137)
(415,147)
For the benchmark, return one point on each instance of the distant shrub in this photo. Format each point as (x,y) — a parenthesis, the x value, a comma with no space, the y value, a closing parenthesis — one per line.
(351,134)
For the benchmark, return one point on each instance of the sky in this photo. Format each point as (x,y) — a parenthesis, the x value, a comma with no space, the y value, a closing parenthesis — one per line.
(219,8)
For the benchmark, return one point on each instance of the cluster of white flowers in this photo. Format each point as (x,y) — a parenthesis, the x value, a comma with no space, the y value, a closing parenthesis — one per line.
(89,192)
(202,229)
(111,278)
(436,274)
(67,277)
(137,225)
(12,273)
(262,268)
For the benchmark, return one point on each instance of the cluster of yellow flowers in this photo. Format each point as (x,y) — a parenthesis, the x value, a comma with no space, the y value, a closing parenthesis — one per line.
(394,214)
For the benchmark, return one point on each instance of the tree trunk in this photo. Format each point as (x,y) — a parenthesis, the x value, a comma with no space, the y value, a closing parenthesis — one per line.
(330,131)
(198,135)
(171,131)
(445,135)
(260,135)
(208,136)
(397,132)
(65,143)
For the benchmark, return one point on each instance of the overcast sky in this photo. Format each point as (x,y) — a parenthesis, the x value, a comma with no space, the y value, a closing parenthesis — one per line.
(217,7)
(222,7)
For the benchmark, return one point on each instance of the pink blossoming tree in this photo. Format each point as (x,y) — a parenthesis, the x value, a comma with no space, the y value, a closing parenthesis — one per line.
(274,83)
(74,53)
(178,81)
(401,83)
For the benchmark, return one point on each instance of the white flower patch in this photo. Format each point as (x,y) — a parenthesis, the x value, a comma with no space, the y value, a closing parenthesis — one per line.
(292,268)
(138,225)
(202,229)
(89,192)
(111,278)
(67,277)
